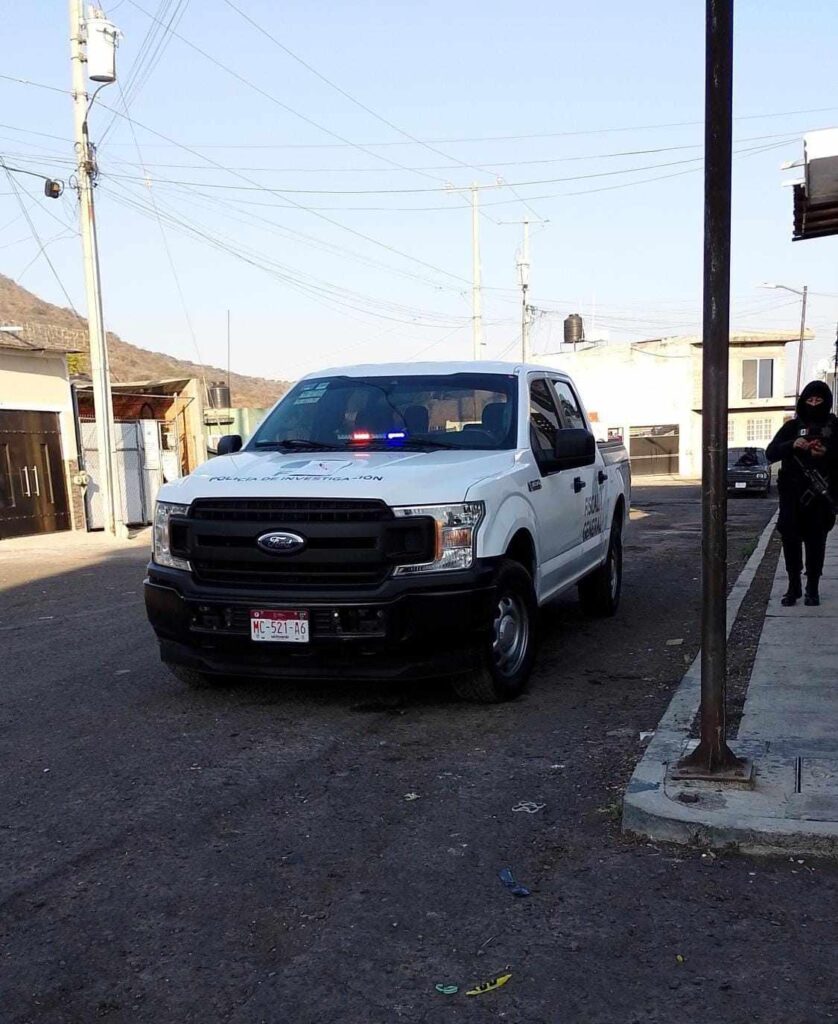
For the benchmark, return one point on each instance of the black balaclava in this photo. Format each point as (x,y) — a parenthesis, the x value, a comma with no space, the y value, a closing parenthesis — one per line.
(819,413)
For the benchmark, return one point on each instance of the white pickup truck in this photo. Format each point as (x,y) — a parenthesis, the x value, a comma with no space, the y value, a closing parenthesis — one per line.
(398,520)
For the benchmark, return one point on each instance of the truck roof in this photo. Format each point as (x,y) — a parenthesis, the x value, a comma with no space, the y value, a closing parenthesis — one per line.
(418,369)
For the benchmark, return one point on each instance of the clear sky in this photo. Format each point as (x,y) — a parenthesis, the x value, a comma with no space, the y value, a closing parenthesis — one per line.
(266,190)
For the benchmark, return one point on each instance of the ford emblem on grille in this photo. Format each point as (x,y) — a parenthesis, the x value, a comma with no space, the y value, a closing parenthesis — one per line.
(281,542)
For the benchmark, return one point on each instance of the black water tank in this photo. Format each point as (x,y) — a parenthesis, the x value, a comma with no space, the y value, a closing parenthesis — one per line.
(574,329)
(219,395)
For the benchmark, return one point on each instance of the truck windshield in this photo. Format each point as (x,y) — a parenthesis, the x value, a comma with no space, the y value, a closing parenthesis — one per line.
(459,410)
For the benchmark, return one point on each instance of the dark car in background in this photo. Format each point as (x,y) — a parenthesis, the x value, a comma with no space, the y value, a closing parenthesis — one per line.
(748,471)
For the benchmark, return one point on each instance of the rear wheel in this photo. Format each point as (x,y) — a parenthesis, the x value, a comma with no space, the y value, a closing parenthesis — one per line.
(600,591)
(507,651)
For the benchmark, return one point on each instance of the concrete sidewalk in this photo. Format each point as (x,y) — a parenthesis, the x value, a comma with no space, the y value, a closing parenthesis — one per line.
(789,729)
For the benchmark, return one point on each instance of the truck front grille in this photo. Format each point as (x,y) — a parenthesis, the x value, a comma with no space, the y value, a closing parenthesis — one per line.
(351,543)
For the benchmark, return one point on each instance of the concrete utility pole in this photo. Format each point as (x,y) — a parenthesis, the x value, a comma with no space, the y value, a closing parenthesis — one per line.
(524,275)
(476,314)
(835,371)
(99,368)
(712,758)
(802,337)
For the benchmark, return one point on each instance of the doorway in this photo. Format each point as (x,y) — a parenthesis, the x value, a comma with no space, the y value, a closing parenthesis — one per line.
(33,489)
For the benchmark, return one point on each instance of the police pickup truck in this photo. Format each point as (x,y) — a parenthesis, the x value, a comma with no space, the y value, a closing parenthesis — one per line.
(385,521)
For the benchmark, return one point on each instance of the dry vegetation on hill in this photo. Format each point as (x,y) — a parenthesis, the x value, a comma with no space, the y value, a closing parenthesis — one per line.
(128,362)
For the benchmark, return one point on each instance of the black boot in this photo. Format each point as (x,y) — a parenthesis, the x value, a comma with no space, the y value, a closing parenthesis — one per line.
(794,593)
(813,598)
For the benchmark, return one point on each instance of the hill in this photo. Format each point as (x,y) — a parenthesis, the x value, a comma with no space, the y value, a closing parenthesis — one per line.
(128,362)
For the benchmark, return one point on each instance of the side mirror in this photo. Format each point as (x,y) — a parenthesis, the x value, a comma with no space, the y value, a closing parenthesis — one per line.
(574,448)
(228,444)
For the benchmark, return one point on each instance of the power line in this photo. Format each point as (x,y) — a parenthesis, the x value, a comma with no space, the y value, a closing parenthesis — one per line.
(412,191)
(299,206)
(322,291)
(507,138)
(36,85)
(30,131)
(195,191)
(789,136)
(169,256)
(273,99)
(148,55)
(361,105)
(284,191)
(37,237)
(191,195)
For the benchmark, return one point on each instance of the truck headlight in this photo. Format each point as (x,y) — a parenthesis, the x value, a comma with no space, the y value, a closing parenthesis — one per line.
(456,535)
(161,540)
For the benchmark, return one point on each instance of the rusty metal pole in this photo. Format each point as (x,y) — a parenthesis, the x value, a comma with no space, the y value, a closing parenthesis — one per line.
(712,758)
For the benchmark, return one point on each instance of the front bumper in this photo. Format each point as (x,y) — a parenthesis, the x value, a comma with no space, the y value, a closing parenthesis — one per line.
(752,486)
(404,628)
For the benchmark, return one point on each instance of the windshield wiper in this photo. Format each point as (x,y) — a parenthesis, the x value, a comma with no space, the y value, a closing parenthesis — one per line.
(301,444)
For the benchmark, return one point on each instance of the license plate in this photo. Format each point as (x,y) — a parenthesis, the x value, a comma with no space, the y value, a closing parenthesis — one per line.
(278,627)
(740,485)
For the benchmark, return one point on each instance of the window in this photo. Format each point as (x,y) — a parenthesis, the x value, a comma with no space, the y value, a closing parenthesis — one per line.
(569,406)
(757,378)
(731,430)
(544,419)
(758,430)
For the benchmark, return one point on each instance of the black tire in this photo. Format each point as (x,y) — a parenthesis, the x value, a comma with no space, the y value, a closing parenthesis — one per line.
(600,592)
(194,679)
(507,652)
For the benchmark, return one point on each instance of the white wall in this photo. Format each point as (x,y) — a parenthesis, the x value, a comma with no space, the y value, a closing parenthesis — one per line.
(624,385)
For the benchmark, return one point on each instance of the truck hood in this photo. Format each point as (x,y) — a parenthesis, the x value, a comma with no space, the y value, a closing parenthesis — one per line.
(397,478)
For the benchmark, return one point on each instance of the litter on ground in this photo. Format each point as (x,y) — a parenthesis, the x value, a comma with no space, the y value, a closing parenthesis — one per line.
(529,806)
(508,879)
(489,986)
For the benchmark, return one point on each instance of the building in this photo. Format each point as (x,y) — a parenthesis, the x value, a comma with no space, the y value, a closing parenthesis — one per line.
(158,435)
(40,486)
(648,393)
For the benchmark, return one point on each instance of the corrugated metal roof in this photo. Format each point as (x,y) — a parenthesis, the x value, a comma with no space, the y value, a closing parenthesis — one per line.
(813,220)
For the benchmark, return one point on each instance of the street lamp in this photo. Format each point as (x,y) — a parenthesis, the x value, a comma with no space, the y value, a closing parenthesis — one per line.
(804,295)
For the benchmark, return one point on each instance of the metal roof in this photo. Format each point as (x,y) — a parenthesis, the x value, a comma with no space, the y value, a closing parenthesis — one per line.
(813,220)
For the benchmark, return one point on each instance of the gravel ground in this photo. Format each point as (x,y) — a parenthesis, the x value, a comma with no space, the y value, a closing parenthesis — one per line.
(252,854)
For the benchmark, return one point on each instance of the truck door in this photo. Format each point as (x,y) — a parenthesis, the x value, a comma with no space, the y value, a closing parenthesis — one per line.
(594,482)
(558,496)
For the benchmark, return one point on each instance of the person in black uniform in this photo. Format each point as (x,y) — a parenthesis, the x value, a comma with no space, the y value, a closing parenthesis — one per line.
(807,447)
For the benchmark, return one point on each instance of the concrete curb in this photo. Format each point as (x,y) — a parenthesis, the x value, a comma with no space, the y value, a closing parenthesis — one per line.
(717,817)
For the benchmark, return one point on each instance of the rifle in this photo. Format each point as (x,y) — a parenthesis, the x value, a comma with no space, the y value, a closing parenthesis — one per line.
(818,487)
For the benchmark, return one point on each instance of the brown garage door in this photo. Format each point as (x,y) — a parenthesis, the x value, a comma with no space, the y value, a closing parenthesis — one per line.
(33,492)
(655,449)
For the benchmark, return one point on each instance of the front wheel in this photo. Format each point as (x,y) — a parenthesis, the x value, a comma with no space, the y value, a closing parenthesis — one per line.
(600,591)
(508,649)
